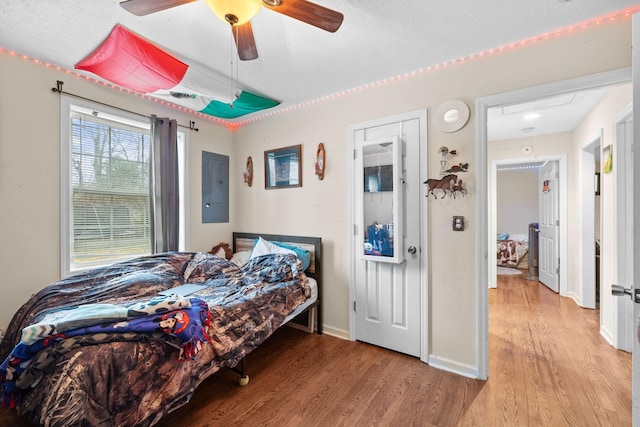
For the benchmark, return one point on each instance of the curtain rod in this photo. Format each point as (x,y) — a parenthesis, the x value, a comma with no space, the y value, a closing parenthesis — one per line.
(58,89)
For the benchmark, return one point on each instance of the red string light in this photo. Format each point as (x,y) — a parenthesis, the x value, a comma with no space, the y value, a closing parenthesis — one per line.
(236,125)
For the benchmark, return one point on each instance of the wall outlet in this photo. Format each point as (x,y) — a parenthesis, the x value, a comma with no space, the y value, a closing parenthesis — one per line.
(458,223)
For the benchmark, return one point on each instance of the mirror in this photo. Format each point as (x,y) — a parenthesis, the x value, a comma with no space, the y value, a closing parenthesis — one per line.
(380,194)
(452,115)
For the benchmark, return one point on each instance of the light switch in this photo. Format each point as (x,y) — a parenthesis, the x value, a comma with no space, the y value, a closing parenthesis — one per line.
(458,223)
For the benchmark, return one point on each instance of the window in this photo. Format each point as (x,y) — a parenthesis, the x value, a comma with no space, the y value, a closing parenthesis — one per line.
(105,186)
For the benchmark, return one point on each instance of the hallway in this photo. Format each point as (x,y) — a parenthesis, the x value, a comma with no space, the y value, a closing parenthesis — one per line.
(548,363)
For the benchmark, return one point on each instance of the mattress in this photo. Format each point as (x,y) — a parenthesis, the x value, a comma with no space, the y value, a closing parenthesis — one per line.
(314,297)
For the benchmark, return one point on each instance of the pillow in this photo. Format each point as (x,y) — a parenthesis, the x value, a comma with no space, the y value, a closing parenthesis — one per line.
(265,247)
(241,258)
(503,236)
(303,254)
(519,237)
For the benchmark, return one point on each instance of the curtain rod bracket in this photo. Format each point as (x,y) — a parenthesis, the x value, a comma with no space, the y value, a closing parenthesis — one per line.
(58,87)
(192,126)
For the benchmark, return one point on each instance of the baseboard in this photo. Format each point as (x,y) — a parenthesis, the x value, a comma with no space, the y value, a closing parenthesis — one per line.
(575,298)
(453,366)
(335,332)
(607,335)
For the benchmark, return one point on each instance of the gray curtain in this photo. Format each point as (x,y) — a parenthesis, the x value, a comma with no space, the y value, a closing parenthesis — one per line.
(163,183)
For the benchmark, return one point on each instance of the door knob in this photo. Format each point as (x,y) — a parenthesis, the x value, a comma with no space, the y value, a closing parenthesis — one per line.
(412,250)
(618,290)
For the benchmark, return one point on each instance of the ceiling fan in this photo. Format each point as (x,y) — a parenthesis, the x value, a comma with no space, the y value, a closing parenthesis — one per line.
(238,13)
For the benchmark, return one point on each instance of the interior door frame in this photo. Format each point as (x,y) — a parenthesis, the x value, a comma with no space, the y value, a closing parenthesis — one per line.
(587,296)
(482,203)
(623,167)
(563,215)
(420,115)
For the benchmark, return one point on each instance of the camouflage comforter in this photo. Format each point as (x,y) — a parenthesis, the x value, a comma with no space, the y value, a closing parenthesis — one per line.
(136,379)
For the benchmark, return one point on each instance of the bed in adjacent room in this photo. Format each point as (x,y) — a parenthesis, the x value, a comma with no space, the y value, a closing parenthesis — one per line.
(109,347)
(513,250)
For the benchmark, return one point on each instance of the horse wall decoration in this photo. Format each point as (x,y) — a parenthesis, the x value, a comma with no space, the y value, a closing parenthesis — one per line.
(445,183)
(458,187)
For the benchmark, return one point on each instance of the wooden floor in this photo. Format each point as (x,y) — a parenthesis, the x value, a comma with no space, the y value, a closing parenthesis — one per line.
(548,367)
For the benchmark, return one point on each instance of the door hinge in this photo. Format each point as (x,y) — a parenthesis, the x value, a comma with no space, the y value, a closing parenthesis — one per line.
(354,306)
(355,229)
(557,222)
(355,154)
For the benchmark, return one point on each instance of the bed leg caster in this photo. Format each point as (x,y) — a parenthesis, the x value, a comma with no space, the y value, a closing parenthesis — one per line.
(243,381)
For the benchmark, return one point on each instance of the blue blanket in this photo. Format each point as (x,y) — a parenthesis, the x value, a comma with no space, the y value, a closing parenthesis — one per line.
(189,324)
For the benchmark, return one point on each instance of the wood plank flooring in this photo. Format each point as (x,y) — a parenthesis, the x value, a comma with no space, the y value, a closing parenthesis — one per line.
(548,367)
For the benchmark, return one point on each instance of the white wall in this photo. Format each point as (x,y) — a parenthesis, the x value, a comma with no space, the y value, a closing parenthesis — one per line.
(319,208)
(517,200)
(30,174)
(601,118)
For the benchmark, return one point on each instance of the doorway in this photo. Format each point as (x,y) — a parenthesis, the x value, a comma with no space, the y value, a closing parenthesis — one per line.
(494,230)
(590,217)
(484,238)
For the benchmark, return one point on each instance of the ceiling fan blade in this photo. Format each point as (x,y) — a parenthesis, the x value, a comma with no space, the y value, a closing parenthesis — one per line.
(245,41)
(311,13)
(146,7)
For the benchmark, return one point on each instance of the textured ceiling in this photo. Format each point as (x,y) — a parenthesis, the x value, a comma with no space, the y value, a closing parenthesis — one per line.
(562,113)
(298,63)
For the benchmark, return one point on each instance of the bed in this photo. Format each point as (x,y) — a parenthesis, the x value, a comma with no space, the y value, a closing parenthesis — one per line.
(513,250)
(112,373)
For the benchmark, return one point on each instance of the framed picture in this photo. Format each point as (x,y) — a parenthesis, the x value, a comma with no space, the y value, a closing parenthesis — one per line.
(282,167)
(607,159)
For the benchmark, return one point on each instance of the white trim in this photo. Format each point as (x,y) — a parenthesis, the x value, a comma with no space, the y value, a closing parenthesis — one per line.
(421,115)
(586,280)
(574,297)
(482,289)
(482,105)
(335,332)
(622,176)
(65,182)
(607,335)
(449,365)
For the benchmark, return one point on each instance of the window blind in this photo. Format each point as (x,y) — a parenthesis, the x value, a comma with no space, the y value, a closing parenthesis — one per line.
(109,194)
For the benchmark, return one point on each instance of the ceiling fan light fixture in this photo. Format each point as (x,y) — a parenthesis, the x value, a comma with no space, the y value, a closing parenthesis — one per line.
(235,12)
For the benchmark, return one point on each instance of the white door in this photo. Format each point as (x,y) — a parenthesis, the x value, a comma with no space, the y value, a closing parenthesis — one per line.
(549,224)
(635,256)
(387,295)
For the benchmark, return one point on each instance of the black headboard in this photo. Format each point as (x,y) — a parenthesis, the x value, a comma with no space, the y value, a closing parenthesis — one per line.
(245,242)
